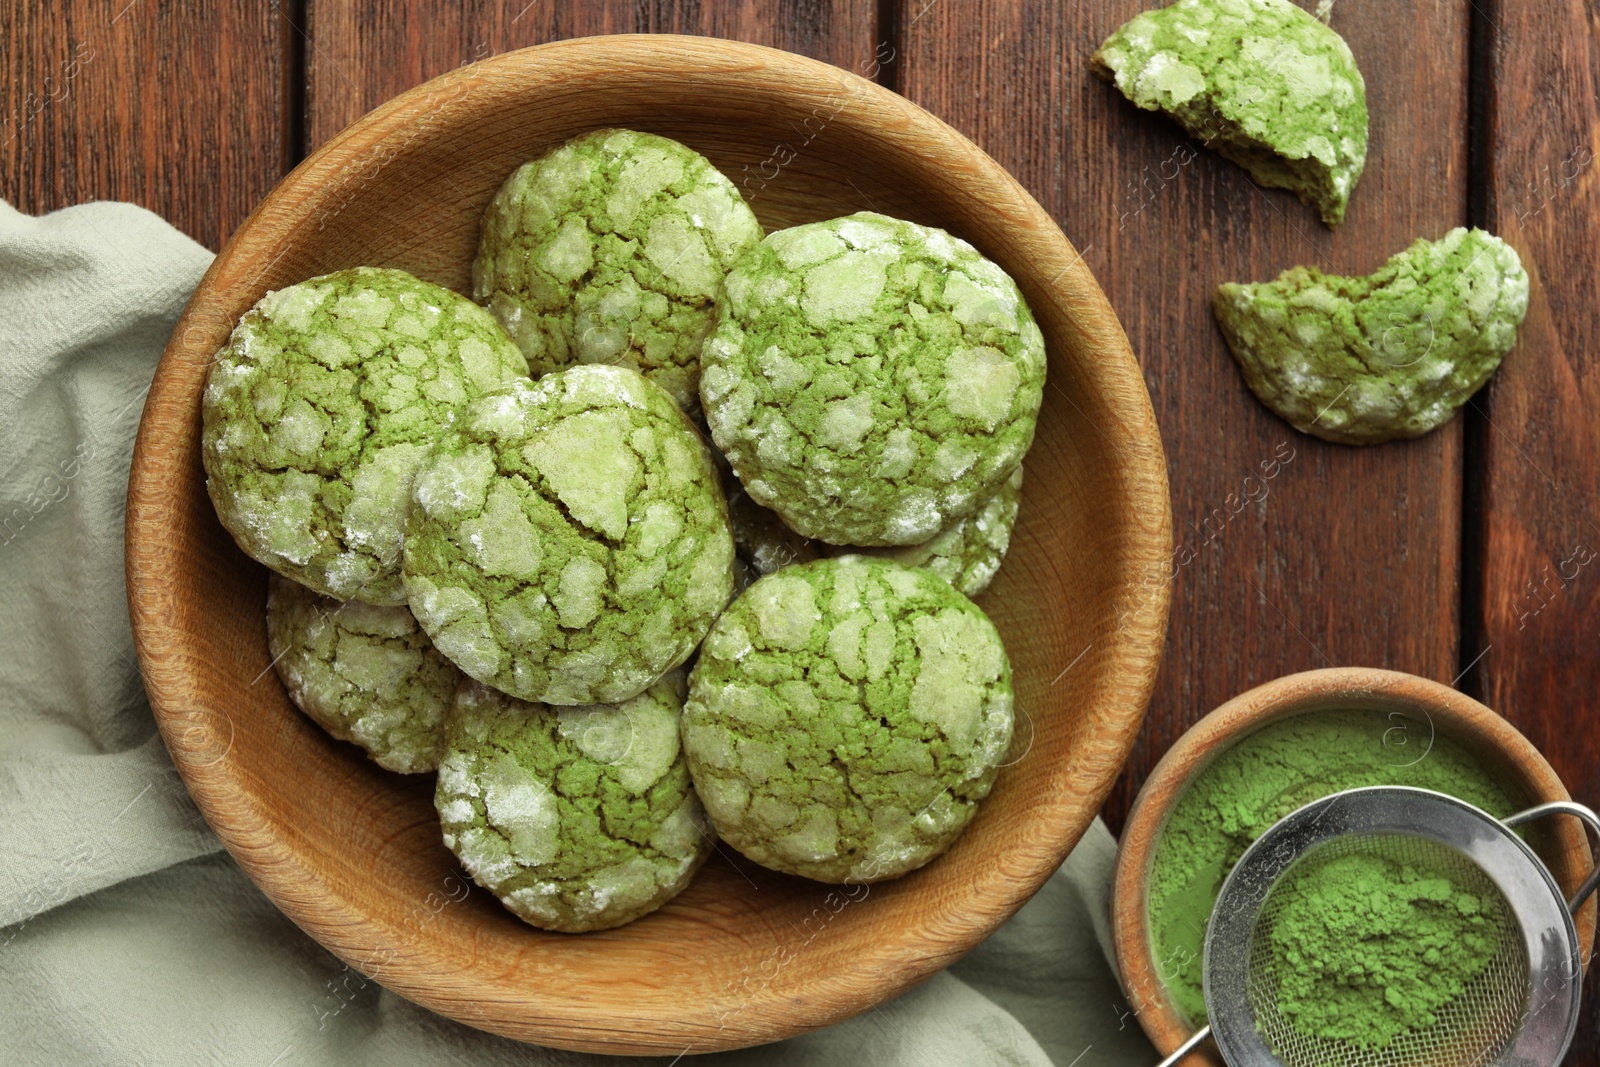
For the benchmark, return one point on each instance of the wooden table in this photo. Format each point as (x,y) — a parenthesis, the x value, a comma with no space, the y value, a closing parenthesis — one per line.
(1464,556)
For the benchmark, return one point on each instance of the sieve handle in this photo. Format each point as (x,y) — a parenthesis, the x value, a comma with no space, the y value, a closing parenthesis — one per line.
(1566,807)
(1200,1037)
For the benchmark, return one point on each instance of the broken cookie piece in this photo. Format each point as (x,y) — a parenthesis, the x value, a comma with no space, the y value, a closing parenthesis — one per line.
(1385,357)
(1261,81)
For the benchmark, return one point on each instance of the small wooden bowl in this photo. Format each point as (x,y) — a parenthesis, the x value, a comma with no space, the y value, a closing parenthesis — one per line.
(1560,842)
(353,855)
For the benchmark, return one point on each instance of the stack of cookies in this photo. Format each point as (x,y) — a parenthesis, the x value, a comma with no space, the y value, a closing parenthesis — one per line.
(670,536)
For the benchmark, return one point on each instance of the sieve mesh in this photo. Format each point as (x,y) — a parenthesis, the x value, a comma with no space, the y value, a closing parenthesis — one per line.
(1470,1030)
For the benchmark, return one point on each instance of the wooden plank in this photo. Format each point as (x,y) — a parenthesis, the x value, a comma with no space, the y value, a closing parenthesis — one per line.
(363,53)
(1541,411)
(179,106)
(1340,556)
(1539,419)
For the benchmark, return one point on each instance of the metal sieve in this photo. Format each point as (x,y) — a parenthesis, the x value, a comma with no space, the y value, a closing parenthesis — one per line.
(1519,1011)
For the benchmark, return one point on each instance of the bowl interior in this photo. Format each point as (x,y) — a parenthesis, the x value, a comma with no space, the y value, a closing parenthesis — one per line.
(1420,708)
(353,854)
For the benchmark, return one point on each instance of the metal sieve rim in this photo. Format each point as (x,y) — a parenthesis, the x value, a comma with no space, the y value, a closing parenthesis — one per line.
(1549,936)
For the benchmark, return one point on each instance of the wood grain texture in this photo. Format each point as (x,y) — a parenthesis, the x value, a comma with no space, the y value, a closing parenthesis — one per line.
(1390,695)
(742,956)
(178,106)
(1346,556)
(194,110)
(1539,523)
(363,53)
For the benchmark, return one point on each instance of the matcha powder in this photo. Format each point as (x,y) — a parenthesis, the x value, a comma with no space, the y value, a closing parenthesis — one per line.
(1367,948)
(1260,779)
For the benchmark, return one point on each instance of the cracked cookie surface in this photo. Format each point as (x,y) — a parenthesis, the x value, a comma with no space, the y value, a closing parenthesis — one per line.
(365,674)
(871,380)
(845,718)
(969,553)
(576,818)
(612,248)
(569,541)
(320,406)
(1383,357)
(1260,81)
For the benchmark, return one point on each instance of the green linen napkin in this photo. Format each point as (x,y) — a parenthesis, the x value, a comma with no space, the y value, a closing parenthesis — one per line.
(132,937)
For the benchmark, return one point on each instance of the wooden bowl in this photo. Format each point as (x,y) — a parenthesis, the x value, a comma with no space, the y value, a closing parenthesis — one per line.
(1560,842)
(353,855)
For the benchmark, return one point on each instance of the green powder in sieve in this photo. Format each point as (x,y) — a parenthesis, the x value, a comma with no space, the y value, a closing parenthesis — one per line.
(1365,948)
(1263,777)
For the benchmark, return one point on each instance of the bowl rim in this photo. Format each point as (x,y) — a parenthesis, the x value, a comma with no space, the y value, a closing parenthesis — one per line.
(167,440)
(1469,721)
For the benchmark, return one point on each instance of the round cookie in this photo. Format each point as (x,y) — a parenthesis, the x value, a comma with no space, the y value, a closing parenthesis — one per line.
(319,408)
(569,541)
(872,380)
(845,718)
(967,554)
(612,249)
(577,818)
(365,674)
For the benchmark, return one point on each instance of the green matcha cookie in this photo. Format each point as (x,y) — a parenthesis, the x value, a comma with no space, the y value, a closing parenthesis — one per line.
(871,380)
(569,542)
(577,818)
(760,538)
(612,249)
(1391,355)
(845,717)
(321,405)
(969,553)
(1261,81)
(364,674)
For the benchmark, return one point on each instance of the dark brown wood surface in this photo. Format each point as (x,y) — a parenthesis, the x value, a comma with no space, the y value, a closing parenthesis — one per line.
(181,106)
(1538,529)
(1534,480)
(1471,556)
(361,54)
(1346,557)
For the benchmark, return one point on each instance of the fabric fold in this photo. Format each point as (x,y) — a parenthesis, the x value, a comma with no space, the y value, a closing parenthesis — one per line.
(88,296)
